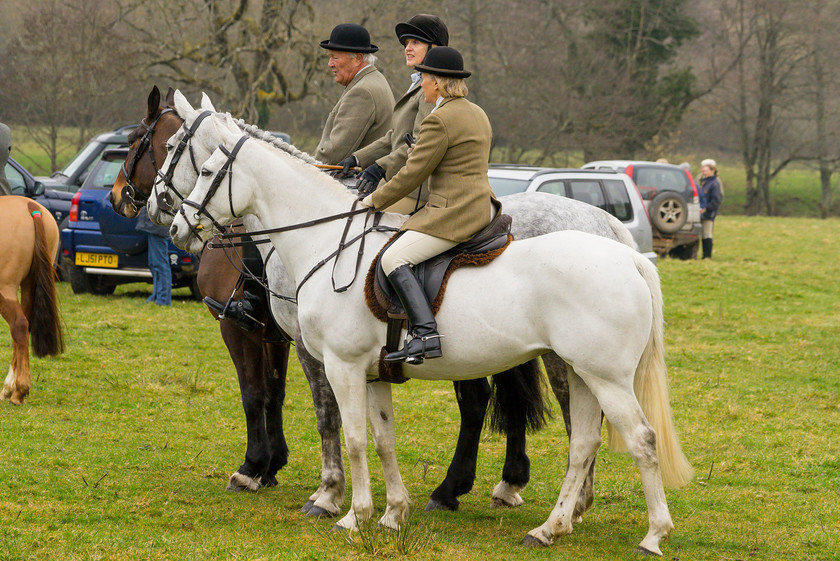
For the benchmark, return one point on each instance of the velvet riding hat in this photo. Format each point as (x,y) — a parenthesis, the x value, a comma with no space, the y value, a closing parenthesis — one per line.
(443,61)
(349,37)
(424,27)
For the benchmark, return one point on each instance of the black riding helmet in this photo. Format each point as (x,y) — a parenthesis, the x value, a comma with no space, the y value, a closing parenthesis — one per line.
(424,27)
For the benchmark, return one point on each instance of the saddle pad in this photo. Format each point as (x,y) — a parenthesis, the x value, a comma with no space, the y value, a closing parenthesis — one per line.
(434,273)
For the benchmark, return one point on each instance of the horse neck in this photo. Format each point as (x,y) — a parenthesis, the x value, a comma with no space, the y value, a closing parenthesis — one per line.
(288,192)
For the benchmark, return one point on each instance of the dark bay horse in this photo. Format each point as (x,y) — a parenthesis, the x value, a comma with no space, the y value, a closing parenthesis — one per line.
(261,356)
(29,238)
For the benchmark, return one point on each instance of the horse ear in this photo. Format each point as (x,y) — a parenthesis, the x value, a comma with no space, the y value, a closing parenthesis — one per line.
(226,128)
(183,107)
(153,103)
(170,97)
(206,104)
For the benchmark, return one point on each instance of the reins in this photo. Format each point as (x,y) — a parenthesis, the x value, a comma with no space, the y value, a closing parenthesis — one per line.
(344,243)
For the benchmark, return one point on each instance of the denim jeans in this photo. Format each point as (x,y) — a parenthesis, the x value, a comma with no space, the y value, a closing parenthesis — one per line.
(161,270)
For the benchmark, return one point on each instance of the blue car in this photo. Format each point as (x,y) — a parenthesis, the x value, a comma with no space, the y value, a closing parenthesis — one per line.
(25,185)
(101,249)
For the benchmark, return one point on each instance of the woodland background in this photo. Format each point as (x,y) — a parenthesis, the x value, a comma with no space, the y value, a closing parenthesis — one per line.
(748,82)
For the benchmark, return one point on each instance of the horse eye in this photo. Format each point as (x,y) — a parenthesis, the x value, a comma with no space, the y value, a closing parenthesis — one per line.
(169,147)
(206,172)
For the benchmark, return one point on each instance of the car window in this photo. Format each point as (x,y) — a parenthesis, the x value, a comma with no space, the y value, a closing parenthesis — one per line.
(554,186)
(103,175)
(16,180)
(73,168)
(587,191)
(619,199)
(662,179)
(503,186)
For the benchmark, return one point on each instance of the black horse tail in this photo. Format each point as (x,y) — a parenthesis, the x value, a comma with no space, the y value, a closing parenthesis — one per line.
(519,399)
(44,320)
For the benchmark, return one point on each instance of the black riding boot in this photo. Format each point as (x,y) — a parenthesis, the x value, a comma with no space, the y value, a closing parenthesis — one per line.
(707,248)
(421,320)
(242,312)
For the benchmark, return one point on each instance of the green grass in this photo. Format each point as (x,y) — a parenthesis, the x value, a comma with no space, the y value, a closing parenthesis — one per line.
(123,449)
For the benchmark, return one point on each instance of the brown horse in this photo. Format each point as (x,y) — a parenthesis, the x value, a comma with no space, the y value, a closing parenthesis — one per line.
(29,238)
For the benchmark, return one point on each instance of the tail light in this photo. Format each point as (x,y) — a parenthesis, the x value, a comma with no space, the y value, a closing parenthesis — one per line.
(693,185)
(186,260)
(74,207)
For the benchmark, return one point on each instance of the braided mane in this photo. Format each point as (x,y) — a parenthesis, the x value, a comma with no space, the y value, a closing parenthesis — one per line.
(256,132)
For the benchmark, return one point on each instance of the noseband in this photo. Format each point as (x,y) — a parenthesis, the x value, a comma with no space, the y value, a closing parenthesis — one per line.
(130,192)
(164,199)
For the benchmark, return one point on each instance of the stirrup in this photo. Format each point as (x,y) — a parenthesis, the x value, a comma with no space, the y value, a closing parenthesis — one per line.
(419,355)
(232,310)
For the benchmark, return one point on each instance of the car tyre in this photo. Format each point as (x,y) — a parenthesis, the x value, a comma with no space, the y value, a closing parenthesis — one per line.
(685,252)
(668,212)
(80,281)
(196,293)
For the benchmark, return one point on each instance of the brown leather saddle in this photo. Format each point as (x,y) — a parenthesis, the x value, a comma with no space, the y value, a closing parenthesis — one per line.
(433,275)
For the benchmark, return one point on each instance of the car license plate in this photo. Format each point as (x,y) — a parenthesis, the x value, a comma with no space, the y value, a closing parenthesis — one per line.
(97,260)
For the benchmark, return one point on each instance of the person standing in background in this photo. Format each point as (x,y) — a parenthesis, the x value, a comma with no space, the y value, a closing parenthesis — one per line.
(713,194)
(158,248)
(5,150)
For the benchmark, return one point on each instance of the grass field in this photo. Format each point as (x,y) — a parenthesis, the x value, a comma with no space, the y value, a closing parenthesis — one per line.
(124,446)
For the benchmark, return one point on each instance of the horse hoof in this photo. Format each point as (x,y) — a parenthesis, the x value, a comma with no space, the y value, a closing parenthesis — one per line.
(532,542)
(646,552)
(497,502)
(239,482)
(308,506)
(318,512)
(436,505)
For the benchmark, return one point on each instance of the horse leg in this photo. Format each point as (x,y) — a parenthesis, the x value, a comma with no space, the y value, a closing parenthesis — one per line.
(555,367)
(583,445)
(472,397)
(516,471)
(17,382)
(329,498)
(348,382)
(246,353)
(381,416)
(275,364)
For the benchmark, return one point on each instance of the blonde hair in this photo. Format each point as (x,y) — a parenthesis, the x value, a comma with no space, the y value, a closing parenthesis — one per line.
(709,162)
(451,87)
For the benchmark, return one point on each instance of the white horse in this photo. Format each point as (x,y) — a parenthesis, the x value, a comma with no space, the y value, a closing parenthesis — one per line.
(534,214)
(594,302)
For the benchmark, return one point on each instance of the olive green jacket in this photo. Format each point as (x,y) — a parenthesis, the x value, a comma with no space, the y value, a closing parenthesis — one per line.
(361,115)
(452,152)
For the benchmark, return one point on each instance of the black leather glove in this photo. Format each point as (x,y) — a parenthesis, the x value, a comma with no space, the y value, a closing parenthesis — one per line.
(347,164)
(369,179)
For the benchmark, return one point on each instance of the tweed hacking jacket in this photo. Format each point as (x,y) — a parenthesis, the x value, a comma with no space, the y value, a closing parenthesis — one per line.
(452,152)
(361,115)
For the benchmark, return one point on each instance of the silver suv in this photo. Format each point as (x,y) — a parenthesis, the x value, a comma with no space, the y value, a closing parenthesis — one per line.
(672,201)
(608,190)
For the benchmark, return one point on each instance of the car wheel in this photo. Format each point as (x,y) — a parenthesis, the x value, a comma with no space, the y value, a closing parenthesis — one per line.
(196,293)
(62,265)
(100,286)
(668,212)
(79,280)
(685,252)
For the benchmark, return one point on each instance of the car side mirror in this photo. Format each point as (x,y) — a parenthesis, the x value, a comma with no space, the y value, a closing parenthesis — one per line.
(36,190)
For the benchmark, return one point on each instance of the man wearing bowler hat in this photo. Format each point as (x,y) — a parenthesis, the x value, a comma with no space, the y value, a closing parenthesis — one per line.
(363,112)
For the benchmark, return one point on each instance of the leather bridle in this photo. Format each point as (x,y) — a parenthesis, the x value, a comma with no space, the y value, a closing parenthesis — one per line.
(132,194)
(164,199)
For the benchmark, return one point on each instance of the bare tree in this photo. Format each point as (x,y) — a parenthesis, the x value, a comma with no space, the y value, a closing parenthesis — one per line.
(65,69)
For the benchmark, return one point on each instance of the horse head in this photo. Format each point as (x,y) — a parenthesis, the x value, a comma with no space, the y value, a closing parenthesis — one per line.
(212,200)
(175,179)
(147,149)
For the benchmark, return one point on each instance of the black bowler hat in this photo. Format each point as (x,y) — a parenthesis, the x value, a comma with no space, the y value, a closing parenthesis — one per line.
(424,27)
(349,37)
(443,61)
